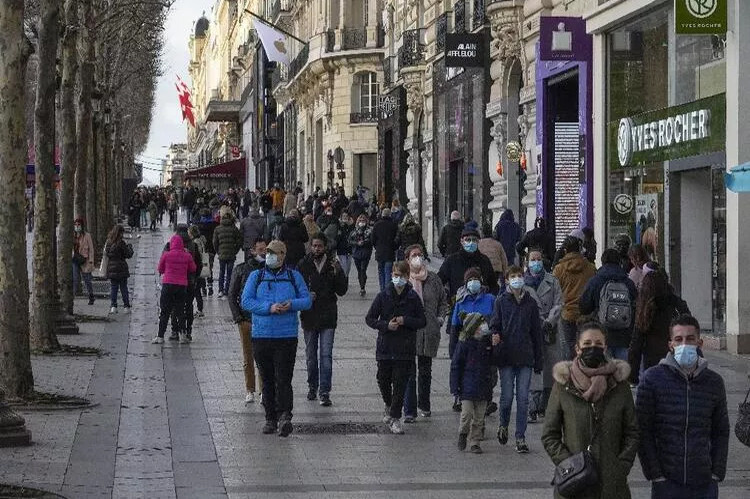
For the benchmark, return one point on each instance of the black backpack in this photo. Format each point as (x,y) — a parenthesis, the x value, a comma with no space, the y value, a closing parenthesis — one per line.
(615,306)
(289,278)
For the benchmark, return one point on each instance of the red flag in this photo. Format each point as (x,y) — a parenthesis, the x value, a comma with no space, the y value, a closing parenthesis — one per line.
(183,93)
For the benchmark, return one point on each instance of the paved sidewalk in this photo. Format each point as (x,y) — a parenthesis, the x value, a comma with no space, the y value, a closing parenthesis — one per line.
(171,421)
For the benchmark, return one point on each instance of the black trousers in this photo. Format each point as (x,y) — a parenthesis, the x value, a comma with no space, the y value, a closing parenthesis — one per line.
(393,376)
(186,325)
(172,300)
(362,271)
(275,358)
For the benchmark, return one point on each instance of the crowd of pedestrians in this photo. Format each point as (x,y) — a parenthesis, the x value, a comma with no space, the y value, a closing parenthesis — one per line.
(536,324)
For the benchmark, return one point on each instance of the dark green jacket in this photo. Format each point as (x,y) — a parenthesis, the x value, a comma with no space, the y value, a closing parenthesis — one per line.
(568,425)
(227,239)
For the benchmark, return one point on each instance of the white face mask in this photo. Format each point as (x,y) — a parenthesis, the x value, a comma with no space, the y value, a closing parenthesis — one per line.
(416,262)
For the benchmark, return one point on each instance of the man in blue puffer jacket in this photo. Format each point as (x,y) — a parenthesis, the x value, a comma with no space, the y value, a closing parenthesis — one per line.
(274,295)
(682,414)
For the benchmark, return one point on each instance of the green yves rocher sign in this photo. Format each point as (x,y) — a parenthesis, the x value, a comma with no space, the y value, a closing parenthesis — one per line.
(670,133)
(700,17)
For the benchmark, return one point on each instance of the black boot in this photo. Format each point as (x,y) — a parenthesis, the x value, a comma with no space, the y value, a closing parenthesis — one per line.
(91,299)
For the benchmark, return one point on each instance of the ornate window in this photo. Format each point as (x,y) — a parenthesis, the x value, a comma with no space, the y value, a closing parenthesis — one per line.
(365,91)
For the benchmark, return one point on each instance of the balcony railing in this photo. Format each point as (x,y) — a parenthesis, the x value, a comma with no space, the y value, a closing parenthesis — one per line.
(441,28)
(480,16)
(280,6)
(354,38)
(411,52)
(459,16)
(367,116)
(299,62)
(330,40)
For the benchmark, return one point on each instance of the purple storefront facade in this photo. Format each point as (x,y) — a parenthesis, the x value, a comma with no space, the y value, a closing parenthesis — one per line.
(566,169)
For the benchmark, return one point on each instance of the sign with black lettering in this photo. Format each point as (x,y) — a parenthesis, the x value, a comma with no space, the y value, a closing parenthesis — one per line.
(464,50)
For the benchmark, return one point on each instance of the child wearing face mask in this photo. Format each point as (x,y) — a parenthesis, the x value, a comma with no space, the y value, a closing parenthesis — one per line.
(515,318)
(473,297)
(396,313)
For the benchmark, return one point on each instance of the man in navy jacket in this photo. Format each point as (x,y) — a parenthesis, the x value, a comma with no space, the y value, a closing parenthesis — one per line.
(682,413)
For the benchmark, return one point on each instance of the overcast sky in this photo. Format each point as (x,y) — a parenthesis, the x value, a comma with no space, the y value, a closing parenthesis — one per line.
(167,126)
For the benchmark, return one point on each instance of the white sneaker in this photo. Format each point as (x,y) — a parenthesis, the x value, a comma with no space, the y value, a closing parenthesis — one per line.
(157,341)
(113,310)
(126,310)
(396,427)
(250,398)
(183,338)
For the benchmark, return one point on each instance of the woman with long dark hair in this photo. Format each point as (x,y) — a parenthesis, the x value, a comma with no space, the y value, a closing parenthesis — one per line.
(118,252)
(655,308)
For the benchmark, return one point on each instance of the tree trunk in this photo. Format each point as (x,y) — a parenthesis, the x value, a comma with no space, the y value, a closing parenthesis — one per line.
(86,78)
(43,293)
(15,358)
(68,170)
(91,181)
(101,187)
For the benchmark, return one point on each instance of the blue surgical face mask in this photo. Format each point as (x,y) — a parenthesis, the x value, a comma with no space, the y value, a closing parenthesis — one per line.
(536,267)
(473,286)
(686,355)
(398,281)
(272,261)
(516,283)
(470,246)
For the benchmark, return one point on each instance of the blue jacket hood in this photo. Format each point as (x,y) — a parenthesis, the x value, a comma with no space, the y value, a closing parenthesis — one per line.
(508,216)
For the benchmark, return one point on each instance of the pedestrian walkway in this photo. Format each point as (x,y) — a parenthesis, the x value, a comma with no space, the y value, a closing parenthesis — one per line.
(171,420)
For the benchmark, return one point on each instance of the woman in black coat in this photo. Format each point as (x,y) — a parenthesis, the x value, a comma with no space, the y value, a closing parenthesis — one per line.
(656,307)
(118,251)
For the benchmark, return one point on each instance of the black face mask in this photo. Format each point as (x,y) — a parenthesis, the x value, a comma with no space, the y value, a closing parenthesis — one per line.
(592,357)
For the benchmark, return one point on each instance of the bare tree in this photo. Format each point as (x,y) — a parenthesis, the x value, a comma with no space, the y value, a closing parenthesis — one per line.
(43,295)
(69,150)
(84,108)
(15,359)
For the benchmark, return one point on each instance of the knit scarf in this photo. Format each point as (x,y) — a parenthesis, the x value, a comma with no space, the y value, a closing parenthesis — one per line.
(593,383)
(417,278)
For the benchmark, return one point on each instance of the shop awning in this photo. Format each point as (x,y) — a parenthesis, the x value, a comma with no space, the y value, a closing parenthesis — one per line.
(232,170)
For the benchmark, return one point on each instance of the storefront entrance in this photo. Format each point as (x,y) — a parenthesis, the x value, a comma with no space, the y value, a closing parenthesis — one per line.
(697,237)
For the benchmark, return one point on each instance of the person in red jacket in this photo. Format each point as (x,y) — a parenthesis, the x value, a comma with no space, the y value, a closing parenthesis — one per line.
(174,267)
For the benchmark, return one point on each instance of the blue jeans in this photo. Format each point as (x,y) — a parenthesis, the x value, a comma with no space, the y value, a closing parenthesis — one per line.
(225,275)
(86,280)
(673,490)
(325,373)
(520,379)
(618,353)
(384,274)
(122,286)
(346,263)
(568,339)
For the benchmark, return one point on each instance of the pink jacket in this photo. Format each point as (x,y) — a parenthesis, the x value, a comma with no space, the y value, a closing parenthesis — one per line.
(176,264)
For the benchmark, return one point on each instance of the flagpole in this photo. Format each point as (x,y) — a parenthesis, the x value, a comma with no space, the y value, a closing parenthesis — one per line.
(276,27)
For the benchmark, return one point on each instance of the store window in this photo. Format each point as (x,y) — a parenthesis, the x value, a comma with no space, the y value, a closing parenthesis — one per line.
(637,82)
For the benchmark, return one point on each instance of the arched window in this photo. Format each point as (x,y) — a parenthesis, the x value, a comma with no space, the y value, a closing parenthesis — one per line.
(365,90)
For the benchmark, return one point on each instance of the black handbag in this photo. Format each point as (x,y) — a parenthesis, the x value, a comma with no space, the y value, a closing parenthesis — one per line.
(79,259)
(577,473)
(742,426)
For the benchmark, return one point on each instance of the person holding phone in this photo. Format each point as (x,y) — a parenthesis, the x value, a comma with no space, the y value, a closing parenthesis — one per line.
(273,295)
(397,313)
